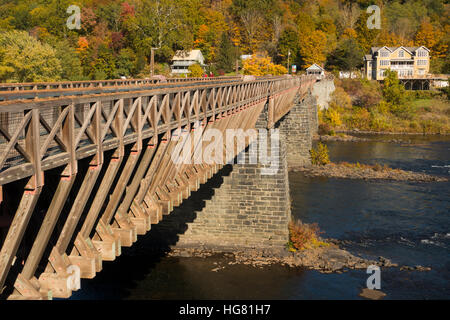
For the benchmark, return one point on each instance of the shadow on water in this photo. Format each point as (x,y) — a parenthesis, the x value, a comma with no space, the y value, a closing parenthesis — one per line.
(119,278)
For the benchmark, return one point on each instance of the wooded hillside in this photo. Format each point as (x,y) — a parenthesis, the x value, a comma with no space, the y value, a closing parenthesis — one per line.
(116,36)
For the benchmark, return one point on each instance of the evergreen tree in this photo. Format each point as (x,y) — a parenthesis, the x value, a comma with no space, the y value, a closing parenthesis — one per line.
(347,56)
(393,90)
(227,54)
(288,43)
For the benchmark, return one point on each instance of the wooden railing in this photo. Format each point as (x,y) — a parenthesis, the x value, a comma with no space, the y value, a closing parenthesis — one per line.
(67,89)
(280,101)
(100,83)
(41,135)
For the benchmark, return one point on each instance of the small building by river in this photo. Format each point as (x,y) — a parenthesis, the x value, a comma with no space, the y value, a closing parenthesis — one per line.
(184,59)
(316,70)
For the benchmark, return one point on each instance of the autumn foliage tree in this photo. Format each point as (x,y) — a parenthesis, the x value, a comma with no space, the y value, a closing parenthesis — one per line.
(195,71)
(312,48)
(25,59)
(432,38)
(262,65)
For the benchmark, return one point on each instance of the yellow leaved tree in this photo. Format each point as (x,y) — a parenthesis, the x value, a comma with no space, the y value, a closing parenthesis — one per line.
(196,71)
(313,47)
(433,38)
(262,65)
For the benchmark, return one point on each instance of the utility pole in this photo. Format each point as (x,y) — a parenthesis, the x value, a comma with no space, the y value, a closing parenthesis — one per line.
(289,54)
(152,61)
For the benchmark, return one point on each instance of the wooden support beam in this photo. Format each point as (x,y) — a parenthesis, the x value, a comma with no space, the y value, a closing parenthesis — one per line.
(100,197)
(29,290)
(41,241)
(84,263)
(16,231)
(131,190)
(127,230)
(139,208)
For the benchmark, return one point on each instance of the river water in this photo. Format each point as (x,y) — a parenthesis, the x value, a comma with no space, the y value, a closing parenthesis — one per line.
(409,223)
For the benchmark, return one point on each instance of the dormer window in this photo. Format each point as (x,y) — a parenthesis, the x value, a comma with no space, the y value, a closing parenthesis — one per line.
(384,54)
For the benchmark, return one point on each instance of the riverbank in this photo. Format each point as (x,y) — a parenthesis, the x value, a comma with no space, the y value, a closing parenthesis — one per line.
(324,259)
(377,133)
(374,136)
(342,137)
(347,170)
(370,107)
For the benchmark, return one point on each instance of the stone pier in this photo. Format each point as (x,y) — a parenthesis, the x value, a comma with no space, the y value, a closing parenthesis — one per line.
(248,208)
(297,129)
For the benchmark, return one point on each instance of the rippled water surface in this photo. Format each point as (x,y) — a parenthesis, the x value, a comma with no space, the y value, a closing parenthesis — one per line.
(408,223)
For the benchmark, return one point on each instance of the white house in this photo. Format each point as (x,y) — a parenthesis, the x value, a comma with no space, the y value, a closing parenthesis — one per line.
(315,69)
(183,60)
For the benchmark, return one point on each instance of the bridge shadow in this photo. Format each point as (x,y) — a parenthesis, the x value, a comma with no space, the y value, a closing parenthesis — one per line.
(118,278)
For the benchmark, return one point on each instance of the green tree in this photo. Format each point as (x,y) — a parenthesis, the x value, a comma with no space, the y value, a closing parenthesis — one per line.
(126,62)
(227,54)
(347,56)
(71,68)
(51,15)
(393,90)
(104,66)
(288,43)
(162,24)
(25,59)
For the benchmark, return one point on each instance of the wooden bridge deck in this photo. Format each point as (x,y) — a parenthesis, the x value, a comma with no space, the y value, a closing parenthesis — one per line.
(125,134)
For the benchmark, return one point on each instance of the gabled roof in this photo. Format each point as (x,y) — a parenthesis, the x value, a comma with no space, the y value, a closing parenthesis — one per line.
(411,50)
(188,55)
(404,48)
(315,67)
(376,49)
(422,47)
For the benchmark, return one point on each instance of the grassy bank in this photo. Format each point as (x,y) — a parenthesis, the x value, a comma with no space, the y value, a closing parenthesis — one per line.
(362,105)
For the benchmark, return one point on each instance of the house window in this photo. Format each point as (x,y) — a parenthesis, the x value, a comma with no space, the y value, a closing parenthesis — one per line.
(422,62)
(384,62)
(401,54)
(384,54)
(422,53)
